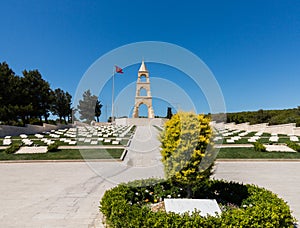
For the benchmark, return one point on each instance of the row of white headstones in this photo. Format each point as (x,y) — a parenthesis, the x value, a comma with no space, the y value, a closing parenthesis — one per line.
(85,134)
(226,132)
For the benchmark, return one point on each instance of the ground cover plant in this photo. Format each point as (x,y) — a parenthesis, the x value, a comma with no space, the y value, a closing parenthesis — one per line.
(13,148)
(294,146)
(259,147)
(52,147)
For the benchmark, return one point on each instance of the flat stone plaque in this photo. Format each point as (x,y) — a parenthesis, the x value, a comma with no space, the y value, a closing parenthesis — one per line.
(205,206)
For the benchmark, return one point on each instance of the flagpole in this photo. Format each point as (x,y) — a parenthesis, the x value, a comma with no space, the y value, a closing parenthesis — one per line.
(112,96)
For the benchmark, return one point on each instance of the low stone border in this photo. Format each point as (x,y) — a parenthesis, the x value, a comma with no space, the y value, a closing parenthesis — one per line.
(123,155)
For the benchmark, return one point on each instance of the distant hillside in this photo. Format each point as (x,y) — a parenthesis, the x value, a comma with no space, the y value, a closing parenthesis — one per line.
(272,117)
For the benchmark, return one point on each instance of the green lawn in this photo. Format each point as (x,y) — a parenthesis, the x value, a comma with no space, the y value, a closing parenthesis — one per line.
(250,153)
(225,153)
(66,154)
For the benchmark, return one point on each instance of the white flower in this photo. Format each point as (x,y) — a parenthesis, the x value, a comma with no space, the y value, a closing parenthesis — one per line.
(137,193)
(147,190)
(169,196)
(178,195)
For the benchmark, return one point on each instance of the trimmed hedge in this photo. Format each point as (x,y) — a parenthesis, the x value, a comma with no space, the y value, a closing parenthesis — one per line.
(128,205)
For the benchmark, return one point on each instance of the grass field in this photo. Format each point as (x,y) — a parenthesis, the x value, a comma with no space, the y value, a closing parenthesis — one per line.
(66,154)
(250,153)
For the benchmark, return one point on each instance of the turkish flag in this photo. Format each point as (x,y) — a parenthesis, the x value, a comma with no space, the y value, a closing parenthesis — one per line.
(119,70)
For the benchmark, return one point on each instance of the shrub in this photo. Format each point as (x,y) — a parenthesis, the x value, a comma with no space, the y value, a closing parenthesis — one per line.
(185,141)
(259,147)
(294,146)
(13,148)
(52,147)
(127,206)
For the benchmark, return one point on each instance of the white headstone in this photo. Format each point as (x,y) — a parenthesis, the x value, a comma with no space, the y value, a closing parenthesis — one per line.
(205,206)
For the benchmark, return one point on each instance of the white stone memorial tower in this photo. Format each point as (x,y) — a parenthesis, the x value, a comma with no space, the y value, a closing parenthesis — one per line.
(143,83)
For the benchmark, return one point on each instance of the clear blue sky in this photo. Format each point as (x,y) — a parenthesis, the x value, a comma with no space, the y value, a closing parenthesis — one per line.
(252,47)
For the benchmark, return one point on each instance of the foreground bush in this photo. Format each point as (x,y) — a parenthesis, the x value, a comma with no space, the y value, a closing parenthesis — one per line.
(13,148)
(186,148)
(128,205)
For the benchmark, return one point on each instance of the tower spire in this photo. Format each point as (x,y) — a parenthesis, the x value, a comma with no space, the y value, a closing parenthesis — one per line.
(143,67)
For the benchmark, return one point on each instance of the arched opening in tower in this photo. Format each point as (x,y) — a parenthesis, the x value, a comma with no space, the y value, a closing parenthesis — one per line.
(143,92)
(143,110)
(143,78)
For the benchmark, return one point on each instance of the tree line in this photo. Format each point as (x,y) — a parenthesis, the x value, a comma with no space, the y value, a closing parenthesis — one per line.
(29,99)
(272,117)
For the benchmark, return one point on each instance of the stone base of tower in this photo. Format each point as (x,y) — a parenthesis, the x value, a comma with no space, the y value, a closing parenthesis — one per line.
(141,121)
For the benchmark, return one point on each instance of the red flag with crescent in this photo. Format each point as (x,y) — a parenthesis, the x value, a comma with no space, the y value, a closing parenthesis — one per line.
(119,70)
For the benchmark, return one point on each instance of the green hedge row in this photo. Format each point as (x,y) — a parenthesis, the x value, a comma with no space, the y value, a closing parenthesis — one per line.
(128,205)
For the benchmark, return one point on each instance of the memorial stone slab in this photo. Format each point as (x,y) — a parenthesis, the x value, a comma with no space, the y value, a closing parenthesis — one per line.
(180,206)
(294,138)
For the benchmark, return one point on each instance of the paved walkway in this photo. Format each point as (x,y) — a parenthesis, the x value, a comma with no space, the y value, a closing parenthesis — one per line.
(281,178)
(67,194)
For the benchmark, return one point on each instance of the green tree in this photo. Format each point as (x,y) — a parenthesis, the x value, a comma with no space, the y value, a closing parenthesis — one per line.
(62,104)
(12,106)
(37,93)
(87,106)
(184,142)
(98,109)
(7,80)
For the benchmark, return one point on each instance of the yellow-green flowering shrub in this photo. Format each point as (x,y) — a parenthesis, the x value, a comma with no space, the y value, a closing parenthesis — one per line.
(185,141)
